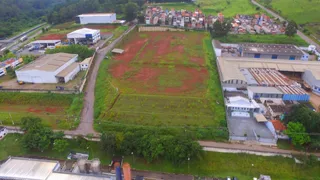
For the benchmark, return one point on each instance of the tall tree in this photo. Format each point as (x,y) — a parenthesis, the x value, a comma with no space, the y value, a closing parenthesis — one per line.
(291,28)
(297,132)
(131,11)
(60,145)
(220,29)
(109,142)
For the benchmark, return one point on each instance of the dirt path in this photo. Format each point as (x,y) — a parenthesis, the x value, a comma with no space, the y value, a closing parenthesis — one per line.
(245,147)
(299,33)
(87,116)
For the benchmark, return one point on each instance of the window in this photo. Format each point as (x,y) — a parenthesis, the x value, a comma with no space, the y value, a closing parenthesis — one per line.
(292,57)
(274,56)
(257,55)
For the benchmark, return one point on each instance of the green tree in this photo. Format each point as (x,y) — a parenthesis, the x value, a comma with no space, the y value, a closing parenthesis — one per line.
(297,132)
(36,135)
(291,29)
(108,142)
(60,145)
(83,51)
(220,29)
(131,11)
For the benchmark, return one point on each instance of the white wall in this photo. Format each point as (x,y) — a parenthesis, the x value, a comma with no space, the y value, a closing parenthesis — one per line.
(3,133)
(250,94)
(97,19)
(71,75)
(36,76)
(84,66)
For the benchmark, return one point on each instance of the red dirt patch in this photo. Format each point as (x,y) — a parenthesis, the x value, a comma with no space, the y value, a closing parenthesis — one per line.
(51,110)
(198,60)
(33,110)
(53,37)
(146,74)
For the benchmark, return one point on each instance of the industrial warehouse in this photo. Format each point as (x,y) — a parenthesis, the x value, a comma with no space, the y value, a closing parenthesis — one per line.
(262,82)
(51,68)
(96,18)
(41,169)
(84,36)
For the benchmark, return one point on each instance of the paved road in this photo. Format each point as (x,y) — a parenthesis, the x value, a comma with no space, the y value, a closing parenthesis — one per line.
(253,148)
(87,115)
(299,33)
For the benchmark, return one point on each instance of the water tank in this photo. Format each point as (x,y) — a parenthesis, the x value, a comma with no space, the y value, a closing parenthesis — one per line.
(95,166)
(82,165)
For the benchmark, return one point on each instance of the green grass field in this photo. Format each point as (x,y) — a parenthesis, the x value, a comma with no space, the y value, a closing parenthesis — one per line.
(164,79)
(57,111)
(273,39)
(301,11)
(211,164)
(228,7)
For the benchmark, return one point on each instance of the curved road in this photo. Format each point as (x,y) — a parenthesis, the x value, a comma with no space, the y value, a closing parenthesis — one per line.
(299,33)
(87,115)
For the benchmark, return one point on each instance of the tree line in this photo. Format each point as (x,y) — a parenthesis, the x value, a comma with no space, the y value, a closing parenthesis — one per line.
(302,122)
(142,143)
(16,15)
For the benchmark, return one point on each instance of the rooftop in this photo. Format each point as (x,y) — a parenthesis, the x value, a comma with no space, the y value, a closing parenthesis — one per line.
(45,41)
(84,31)
(22,168)
(86,61)
(67,70)
(262,89)
(280,49)
(49,62)
(96,14)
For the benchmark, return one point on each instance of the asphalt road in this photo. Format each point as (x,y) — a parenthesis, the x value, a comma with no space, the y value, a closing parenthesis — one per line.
(299,33)
(87,115)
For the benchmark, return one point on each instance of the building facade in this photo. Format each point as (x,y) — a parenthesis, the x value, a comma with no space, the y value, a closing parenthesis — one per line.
(312,78)
(84,36)
(97,18)
(51,68)
(271,51)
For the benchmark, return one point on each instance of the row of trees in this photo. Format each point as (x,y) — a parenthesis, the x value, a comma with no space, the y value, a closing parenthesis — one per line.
(143,143)
(301,123)
(39,137)
(176,149)
(67,11)
(83,51)
(16,15)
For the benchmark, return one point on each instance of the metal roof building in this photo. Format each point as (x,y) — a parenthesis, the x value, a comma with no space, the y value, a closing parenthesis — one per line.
(96,18)
(50,68)
(271,51)
(40,169)
(84,35)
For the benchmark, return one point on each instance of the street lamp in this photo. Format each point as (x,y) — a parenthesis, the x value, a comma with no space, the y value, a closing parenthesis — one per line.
(188,164)
(132,156)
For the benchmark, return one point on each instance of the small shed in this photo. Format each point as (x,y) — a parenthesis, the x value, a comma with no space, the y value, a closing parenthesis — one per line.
(85,64)
(117,51)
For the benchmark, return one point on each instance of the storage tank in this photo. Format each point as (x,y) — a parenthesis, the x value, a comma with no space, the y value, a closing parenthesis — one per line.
(95,166)
(126,171)
(82,165)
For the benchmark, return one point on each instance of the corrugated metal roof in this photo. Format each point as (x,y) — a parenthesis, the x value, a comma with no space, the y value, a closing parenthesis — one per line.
(68,70)
(49,62)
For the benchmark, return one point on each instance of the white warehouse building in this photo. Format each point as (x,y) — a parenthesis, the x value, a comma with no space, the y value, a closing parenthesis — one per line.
(51,68)
(96,18)
(84,36)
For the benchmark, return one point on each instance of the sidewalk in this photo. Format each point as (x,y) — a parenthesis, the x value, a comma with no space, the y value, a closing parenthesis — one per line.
(254,148)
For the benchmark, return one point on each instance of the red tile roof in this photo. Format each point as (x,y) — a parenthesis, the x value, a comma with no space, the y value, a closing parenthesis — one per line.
(277,124)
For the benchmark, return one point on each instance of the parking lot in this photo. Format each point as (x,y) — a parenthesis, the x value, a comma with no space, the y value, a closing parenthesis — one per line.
(239,126)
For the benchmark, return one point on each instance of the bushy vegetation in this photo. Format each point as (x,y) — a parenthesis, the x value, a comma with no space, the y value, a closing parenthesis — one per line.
(17,16)
(301,121)
(152,146)
(210,164)
(258,38)
(83,51)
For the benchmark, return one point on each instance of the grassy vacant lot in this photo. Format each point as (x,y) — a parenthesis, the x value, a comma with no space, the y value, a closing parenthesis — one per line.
(164,79)
(228,7)
(58,111)
(277,39)
(61,30)
(211,164)
(301,11)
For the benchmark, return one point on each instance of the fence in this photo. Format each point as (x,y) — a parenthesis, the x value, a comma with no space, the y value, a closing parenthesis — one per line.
(158,29)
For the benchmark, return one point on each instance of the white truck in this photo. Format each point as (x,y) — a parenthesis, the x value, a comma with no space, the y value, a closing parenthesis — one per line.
(23,38)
